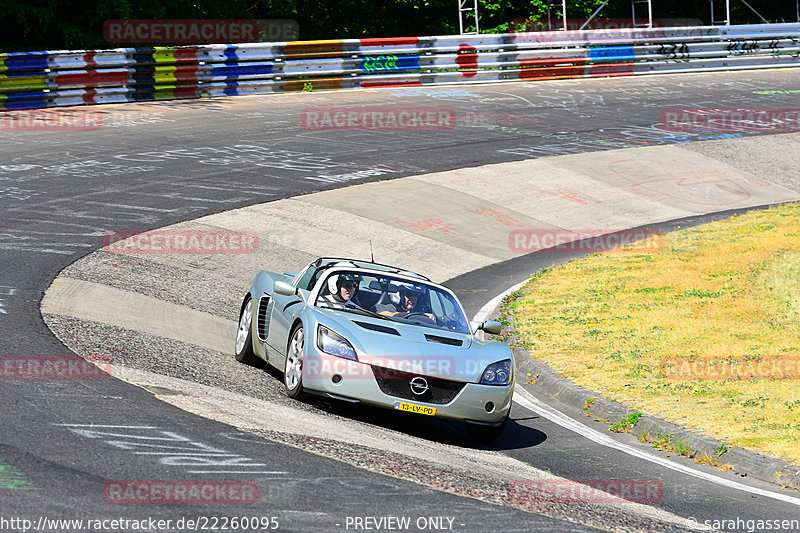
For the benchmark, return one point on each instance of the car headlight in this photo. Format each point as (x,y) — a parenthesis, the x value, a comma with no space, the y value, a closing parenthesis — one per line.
(331,342)
(498,373)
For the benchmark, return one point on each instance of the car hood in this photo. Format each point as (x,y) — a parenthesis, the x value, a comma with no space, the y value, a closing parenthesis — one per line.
(414,349)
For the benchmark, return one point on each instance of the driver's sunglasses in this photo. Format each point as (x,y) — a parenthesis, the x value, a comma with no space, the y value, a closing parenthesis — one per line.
(351,286)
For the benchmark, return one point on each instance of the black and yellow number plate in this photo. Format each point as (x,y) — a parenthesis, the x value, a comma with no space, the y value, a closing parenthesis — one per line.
(411,408)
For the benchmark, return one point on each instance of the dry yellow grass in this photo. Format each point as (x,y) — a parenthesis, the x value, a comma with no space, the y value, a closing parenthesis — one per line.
(678,332)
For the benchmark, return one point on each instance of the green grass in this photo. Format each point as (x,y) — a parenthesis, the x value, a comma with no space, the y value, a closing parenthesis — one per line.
(780,279)
(625,425)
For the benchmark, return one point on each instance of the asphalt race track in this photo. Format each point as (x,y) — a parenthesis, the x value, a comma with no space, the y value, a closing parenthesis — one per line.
(155,164)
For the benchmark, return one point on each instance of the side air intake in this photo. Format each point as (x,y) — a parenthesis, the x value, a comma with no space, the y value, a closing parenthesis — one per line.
(377,327)
(262,326)
(444,340)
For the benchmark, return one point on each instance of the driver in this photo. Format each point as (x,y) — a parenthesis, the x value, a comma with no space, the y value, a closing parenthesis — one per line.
(341,289)
(405,301)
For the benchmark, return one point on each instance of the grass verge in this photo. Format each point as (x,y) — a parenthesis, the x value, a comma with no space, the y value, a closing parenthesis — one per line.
(701,331)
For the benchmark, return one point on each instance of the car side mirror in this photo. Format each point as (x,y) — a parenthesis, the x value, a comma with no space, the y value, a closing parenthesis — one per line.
(286,289)
(493,327)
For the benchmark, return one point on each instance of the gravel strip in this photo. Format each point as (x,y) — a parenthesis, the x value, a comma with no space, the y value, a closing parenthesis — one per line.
(195,289)
(143,351)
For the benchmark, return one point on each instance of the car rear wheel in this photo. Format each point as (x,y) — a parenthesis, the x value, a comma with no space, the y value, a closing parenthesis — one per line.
(485,434)
(293,370)
(244,335)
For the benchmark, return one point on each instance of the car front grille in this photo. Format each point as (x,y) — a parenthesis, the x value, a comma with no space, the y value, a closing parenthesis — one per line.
(398,384)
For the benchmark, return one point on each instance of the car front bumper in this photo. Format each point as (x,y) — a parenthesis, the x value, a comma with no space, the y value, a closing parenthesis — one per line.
(351,380)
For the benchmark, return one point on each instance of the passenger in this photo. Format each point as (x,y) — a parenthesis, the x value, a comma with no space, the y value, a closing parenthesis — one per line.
(341,289)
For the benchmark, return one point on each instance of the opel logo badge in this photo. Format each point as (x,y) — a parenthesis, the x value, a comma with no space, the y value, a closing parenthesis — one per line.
(419,386)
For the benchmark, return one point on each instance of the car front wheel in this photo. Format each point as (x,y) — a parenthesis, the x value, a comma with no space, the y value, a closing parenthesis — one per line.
(244,335)
(293,370)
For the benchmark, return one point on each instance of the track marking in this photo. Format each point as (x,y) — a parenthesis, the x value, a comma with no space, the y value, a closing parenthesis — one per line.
(494,303)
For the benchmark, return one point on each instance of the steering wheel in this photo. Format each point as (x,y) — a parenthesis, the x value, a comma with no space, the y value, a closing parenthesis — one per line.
(418,313)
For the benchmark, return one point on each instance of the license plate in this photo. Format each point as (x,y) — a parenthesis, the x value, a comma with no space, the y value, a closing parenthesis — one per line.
(411,408)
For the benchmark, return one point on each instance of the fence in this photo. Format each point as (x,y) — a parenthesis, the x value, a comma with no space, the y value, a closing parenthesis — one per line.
(77,77)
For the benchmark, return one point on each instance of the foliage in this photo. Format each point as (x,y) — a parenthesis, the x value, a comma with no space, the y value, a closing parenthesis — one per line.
(625,425)
(78,24)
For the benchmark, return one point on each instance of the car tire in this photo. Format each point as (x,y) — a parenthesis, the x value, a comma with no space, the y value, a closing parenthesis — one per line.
(485,434)
(293,369)
(243,349)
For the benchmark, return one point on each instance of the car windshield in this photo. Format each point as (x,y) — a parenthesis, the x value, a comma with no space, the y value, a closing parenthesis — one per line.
(390,298)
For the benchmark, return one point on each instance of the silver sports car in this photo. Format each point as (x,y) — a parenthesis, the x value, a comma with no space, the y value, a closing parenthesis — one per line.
(365,332)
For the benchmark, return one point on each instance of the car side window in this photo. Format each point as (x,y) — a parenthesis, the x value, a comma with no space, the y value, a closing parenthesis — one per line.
(436,304)
(448,308)
(306,281)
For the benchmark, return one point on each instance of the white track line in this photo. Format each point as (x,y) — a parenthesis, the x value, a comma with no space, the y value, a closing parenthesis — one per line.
(528,401)
(494,303)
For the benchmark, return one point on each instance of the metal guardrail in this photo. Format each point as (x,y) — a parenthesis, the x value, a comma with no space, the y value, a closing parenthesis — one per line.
(77,77)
